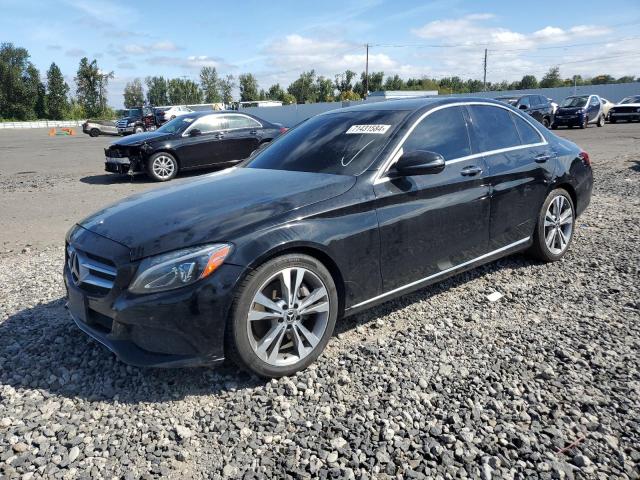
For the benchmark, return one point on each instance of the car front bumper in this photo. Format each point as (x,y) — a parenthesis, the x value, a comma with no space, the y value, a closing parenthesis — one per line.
(568,120)
(125,130)
(177,328)
(624,116)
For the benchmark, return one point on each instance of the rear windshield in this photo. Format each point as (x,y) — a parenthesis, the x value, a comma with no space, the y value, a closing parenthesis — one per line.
(575,102)
(631,100)
(509,100)
(343,143)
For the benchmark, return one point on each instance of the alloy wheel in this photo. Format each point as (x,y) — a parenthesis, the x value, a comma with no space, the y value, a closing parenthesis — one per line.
(558,225)
(163,167)
(288,316)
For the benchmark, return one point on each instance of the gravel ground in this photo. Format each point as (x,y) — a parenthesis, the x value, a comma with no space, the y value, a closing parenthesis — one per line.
(542,383)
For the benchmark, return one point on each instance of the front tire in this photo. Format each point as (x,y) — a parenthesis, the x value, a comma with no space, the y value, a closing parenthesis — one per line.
(162,167)
(138,130)
(585,124)
(282,317)
(546,122)
(555,226)
(601,121)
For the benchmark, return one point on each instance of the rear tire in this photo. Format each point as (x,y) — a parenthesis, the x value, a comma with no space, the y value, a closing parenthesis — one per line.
(554,229)
(162,167)
(546,122)
(601,121)
(94,132)
(271,331)
(585,124)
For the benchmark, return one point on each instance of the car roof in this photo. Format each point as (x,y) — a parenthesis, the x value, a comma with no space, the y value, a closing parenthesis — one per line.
(412,104)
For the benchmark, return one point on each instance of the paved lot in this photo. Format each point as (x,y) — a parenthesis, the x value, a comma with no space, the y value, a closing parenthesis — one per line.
(544,383)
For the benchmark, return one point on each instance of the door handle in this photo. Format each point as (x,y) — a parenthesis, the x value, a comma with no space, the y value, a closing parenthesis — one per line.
(543,157)
(470,171)
(253,132)
(220,135)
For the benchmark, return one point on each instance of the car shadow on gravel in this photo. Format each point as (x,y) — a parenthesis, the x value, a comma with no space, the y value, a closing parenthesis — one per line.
(41,348)
(635,165)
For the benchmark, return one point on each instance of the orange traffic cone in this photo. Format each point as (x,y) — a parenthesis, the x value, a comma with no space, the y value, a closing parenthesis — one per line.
(52,132)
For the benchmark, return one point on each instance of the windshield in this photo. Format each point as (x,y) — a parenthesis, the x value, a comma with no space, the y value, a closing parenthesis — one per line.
(575,101)
(635,99)
(343,143)
(176,125)
(134,112)
(509,100)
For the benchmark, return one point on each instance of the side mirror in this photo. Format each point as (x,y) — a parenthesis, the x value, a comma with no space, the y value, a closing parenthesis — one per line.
(419,162)
(523,107)
(194,132)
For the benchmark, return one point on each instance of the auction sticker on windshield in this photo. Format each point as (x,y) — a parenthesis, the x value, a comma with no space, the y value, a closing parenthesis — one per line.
(375,129)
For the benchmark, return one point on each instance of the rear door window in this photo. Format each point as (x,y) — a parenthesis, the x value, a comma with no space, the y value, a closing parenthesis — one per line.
(528,134)
(493,127)
(240,121)
(443,131)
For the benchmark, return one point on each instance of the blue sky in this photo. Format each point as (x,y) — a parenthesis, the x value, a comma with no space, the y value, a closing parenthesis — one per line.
(277,40)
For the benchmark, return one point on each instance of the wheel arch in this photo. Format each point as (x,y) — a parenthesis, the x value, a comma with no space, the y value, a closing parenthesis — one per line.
(570,189)
(313,250)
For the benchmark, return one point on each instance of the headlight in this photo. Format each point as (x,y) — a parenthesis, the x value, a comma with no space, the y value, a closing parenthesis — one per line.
(177,269)
(131,124)
(637,109)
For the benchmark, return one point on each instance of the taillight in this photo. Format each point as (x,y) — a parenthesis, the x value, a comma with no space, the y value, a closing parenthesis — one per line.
(585,158)
(283,129)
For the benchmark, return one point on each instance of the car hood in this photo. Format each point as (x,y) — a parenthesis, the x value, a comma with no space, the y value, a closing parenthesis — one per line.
(636,104)
(140,138)
(214,208)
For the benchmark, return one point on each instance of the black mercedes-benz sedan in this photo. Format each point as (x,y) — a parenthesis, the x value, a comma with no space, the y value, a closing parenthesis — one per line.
(196,140)
(351,208)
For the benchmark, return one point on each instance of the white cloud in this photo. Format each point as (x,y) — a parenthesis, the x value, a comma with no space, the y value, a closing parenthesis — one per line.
(140,49)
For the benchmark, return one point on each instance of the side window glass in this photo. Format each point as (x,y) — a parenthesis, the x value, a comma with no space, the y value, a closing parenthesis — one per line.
(239,121)
(443,131)
(542,100)
(534,101)
(528,134)
(211,123)
(493,127)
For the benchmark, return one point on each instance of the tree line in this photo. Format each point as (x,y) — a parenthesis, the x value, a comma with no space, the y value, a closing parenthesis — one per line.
(25,95)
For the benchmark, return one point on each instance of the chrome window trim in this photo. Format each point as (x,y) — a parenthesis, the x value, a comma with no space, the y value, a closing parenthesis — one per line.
(438,274)
(397,151)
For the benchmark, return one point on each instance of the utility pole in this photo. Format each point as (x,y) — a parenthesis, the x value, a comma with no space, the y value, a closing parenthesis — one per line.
(484,81)
(366,74)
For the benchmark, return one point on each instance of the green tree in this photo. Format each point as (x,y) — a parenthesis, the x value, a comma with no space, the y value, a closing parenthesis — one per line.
(157,90)
(394,83)
(528,81)
(184,92)
(133,94)
(626,79)
(210,84)
(248,87)
(275,92)
(287,99)
(343,81)
(374,85)
(40,107)
(57,90)
(304,88)
(551,79)
(602,79)
(227,85)
(19,83)
(91,87)
(324,89)
(349,95)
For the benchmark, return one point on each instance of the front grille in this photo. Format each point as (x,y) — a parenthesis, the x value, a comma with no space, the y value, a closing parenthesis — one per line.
(625,110)
(91,273)
(122,123)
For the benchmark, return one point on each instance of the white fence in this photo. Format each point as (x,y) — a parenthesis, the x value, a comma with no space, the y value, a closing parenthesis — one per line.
(42,124)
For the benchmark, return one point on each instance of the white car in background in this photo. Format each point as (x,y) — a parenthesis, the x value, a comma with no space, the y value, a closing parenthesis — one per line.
(554,105)
(171,112)
(606,106)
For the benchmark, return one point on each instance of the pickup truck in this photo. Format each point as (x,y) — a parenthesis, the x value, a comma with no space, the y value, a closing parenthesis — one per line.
(138,120)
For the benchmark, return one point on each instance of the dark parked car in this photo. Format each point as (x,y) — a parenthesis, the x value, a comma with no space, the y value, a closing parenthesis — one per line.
(538,106)
(579,111)
(196,140)
(628,109)
(347,210)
